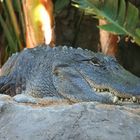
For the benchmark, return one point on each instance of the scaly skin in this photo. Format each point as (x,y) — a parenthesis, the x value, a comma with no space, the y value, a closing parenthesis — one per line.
(68,73)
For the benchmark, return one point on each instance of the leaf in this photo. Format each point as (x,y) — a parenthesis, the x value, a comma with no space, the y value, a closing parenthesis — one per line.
(13,20)
(111,28)
(122,17)
(7,34)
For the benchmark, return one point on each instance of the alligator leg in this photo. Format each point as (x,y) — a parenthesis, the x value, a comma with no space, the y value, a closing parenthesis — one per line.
(7,86)
(14,87)
(11,85)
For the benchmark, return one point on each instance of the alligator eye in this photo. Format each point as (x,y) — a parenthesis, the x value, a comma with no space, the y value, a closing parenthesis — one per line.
(95,62)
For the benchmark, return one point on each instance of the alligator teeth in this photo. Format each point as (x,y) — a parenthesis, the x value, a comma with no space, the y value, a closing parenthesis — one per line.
(134,99)
(126,99)
(95,89)
(112,92)
(98,90)
(101,90)
(115,100)
(137,101)
(106,90)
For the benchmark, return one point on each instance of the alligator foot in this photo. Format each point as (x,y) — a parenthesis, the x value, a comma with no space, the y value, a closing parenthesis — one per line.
(7,86)
(11,86)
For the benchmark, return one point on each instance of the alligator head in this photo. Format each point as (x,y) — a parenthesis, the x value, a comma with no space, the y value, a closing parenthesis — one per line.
(94,76)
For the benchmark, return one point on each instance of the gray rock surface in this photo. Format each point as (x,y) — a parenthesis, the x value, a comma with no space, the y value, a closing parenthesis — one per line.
(81,121)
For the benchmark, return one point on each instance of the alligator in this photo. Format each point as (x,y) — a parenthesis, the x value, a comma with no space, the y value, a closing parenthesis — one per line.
(68,73)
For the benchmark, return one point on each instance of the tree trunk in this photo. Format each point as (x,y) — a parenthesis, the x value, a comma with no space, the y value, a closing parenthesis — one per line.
(34,31)
(108,41)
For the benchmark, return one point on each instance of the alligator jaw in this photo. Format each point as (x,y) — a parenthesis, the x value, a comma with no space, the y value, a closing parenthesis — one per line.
(117,98)
(116,94)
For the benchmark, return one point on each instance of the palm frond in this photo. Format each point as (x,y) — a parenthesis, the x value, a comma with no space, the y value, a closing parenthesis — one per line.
(122,16)
(12,26)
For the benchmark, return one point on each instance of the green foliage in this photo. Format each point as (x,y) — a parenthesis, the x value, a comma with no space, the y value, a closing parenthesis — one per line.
(13,27)
(11,14)
(122,16)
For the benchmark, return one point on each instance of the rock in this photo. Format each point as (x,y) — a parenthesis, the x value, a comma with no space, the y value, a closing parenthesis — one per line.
(22,98)
(80,121)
